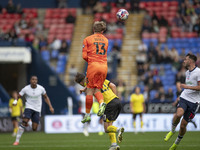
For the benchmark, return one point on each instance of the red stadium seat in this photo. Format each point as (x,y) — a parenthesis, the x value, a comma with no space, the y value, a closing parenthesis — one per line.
(145,35)
(142,5)
(165,4)
(119,30)
(109,36)
(150,4)
(118,36)
(67,37)
(175,34)
(173,3)
(154,35)
(158,4)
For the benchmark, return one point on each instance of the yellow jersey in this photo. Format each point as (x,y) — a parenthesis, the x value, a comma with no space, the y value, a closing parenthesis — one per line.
(107,92)
(137,103)
(16,110)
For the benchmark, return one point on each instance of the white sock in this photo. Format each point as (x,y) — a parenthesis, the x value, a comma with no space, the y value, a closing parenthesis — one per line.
(179,138)
(30,123)
(19,133)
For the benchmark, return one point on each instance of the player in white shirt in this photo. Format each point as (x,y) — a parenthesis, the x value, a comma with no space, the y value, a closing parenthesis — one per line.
(33,94)
(189,100)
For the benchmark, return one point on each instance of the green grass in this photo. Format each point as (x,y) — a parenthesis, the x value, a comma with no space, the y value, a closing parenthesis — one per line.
(131,141)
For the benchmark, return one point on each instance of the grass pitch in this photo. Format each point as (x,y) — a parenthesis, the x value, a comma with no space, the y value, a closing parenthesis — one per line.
(131,141)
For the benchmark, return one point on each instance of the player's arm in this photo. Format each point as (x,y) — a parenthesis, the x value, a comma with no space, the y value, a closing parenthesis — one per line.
(15,101)
(176,102)
(113,87)
(47,100)
(191,87)
(84,51)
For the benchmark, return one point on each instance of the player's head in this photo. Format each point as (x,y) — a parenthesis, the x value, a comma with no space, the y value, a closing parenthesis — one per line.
(190,59)
(99,26)
(14,94)
(137,90)
(33,80)
(80,78)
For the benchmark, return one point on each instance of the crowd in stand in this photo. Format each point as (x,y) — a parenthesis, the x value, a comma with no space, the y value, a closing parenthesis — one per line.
(187,18)
(152,59)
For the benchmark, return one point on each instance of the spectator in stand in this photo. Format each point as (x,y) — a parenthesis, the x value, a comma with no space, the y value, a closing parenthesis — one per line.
(146,94)
(84,5)
(161,71)
(108,7)
(182,9)
(196,27)
(70,18)
(43,41)
(11,36)
(121,89)
(180,77)
(151,84)
(11,7)
(146,27)
(155,26)
(64,48)
(147,17)
(169,95)
(62,3)
(193,18)
(56,44)
(98,8)
(72,73)
(152,53)
(157,84)
(163,22)
(111,27)
(19,9)
(2,35)
(142,47)
(176,64)
(155,17)
(135,6)
(23,23)
(158,56)
(161,94)
(197,9)
(189,9)
(174,54)
(35,44)
(177,20)
(120,3)
(166,56)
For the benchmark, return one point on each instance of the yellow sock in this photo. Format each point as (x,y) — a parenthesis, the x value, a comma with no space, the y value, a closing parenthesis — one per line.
(112,129)
(15,130)
(112,137)
(141,124)
(134,124)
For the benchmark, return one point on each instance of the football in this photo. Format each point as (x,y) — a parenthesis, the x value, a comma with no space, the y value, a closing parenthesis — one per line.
(122,15)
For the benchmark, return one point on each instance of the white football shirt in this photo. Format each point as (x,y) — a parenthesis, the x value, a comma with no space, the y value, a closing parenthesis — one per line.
(192,79)
(33,97)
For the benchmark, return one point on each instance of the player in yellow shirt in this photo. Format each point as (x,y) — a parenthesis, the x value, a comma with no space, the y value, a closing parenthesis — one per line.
(112,110)
(137,106)
(15,111)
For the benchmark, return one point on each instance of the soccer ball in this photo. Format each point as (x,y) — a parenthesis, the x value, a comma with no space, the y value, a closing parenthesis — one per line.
(122,15)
